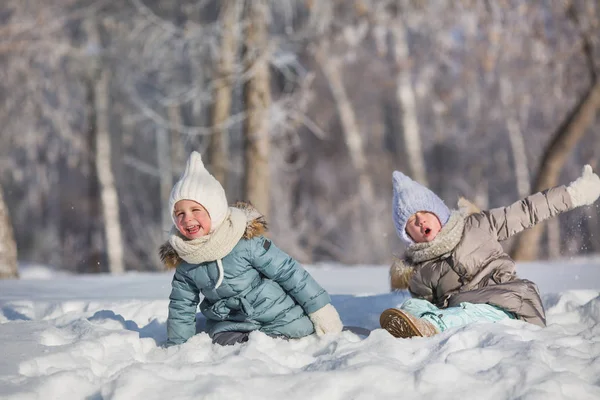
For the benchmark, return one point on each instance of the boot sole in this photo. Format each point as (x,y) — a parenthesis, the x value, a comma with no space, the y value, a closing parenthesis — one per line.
(399,324)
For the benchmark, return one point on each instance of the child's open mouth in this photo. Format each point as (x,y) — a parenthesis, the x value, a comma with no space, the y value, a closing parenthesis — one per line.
(427,231)
(193,229)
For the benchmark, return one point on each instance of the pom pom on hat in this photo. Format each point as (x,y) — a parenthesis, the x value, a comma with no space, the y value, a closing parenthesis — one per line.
(199,185)
(411,197)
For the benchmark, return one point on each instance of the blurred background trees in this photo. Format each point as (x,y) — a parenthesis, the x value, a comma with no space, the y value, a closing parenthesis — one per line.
(303,107)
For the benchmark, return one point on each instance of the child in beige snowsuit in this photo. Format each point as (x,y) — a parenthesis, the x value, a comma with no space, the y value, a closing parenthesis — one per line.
(455,268)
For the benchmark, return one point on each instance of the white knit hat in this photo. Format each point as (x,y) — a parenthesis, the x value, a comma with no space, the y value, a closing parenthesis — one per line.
(199,185)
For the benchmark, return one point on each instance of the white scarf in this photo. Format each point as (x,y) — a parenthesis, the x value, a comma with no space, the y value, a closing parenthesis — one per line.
(443,244)
(214,246)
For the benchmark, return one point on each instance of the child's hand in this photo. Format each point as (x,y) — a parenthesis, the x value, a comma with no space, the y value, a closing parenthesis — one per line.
(326,320)
(585,190)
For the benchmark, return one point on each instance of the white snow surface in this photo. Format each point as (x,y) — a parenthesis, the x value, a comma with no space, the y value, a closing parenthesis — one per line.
(99,337)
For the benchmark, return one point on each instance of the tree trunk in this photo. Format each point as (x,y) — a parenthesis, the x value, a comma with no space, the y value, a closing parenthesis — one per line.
(165,175)
(8,246)
(108,192)
(169,154)
(93,251)
(109,199)
(224,79)
(406,99)
(178,155)
(566,137)
(258,100)
(515,136)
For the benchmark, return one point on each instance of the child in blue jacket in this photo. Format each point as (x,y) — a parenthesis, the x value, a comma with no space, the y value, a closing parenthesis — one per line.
(247,283)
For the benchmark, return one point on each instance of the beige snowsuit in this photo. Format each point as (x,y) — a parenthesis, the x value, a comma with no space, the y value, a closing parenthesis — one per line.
(478,270)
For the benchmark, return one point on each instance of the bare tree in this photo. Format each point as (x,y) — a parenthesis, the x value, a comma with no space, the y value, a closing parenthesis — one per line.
(407,101)
(100,122)
(165,175)
(331,66)
(8,246)
(566,137)
(43,115)
(568,134)
(223,87)
(258,99)
(515,135)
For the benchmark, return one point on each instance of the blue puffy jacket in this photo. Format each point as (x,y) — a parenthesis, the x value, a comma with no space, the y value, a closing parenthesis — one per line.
(263,289)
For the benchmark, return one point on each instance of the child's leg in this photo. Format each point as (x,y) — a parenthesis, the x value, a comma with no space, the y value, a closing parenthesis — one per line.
(418,307)
(418,317)
(464,314)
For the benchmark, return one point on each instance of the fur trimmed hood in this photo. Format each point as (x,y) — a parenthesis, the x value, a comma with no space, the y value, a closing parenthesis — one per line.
(401,270)
(256,226)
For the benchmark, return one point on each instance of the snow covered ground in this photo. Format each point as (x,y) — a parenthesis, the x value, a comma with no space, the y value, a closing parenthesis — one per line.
(99,337)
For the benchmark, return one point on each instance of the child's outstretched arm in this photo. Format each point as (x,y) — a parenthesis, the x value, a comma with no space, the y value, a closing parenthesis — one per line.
(505,222)
(181,323)
(298,283)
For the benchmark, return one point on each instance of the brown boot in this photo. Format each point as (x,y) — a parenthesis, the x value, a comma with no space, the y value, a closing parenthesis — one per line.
(403,325)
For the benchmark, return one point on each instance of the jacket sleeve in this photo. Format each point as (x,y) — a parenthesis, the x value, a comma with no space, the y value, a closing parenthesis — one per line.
(418,288)
(181,323)
(505,222)
(288,273)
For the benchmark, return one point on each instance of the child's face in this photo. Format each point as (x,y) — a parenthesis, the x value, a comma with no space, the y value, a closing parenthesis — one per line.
(423,226)
(191,219)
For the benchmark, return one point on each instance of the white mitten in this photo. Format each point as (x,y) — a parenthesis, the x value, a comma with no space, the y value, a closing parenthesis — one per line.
(585,190)
(326,320)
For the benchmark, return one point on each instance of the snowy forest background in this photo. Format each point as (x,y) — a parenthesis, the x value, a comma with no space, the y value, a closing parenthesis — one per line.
(303,107)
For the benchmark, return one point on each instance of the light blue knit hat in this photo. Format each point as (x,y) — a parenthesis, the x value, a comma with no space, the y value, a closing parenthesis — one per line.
(411,197)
